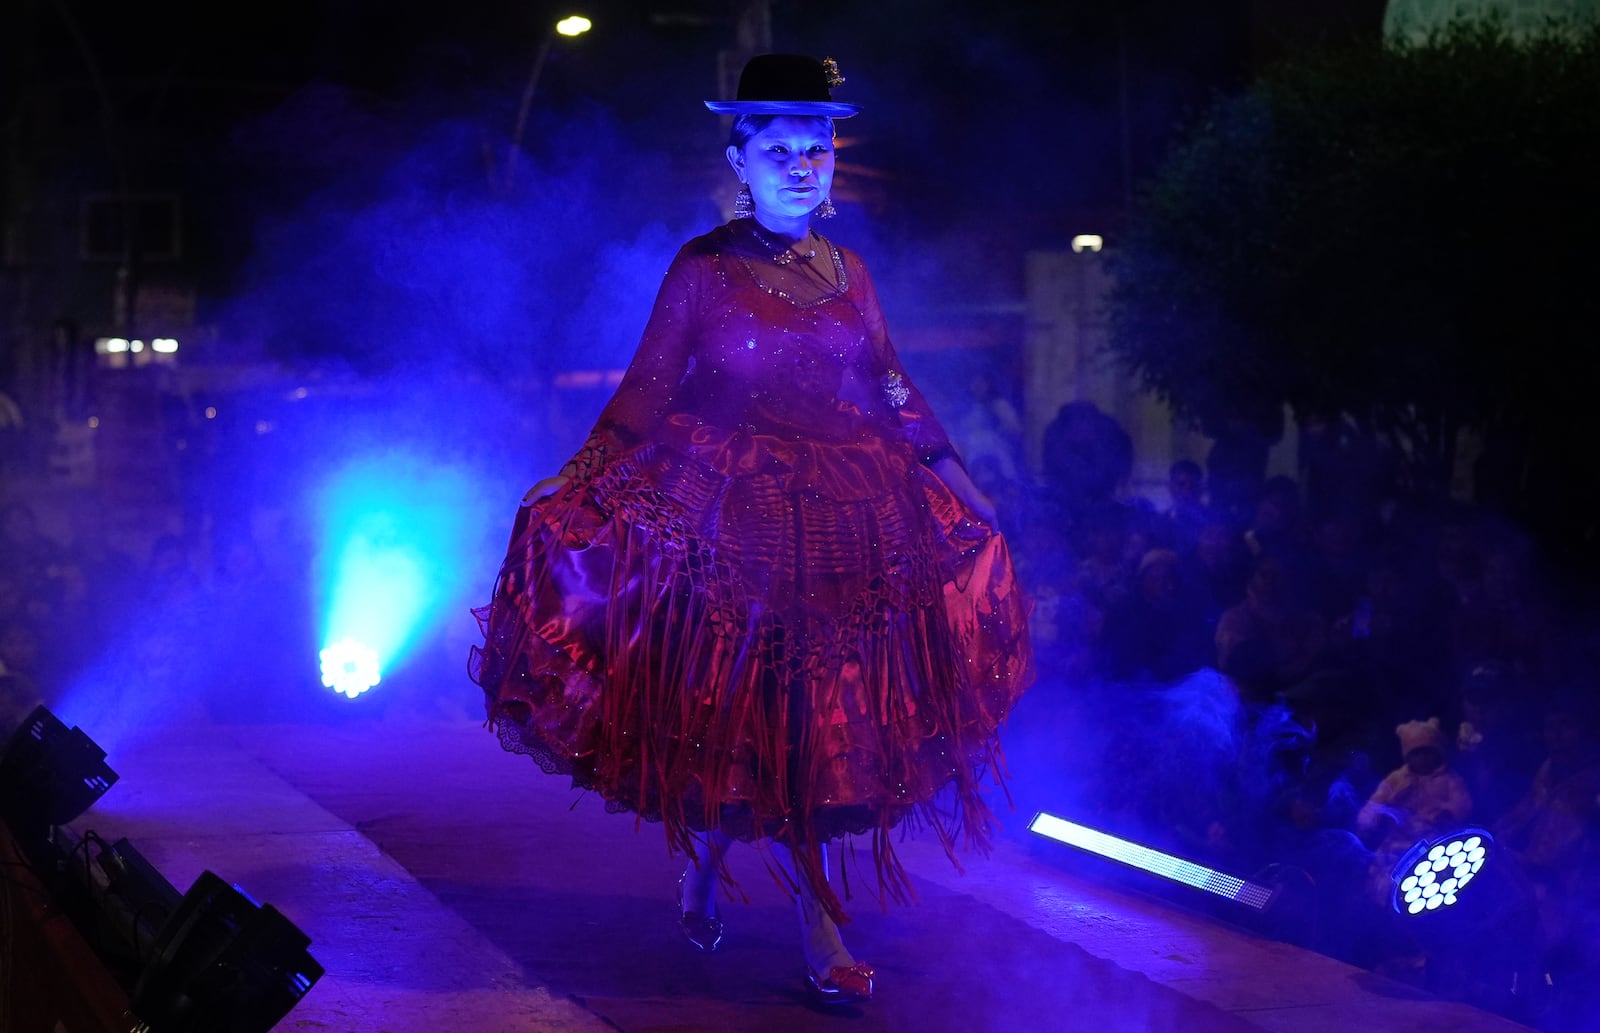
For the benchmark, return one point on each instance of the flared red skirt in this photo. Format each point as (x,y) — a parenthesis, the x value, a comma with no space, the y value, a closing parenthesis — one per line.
(779,640)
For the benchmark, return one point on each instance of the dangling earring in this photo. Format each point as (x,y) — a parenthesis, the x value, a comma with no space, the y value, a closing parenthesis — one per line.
(826,210)
(744,205)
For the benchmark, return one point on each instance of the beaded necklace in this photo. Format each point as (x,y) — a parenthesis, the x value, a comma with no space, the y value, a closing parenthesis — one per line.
(833,289)
(788,254)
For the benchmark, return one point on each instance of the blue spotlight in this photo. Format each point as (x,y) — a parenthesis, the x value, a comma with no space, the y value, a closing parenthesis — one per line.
(1433,873)
(349,668)
(395,543)
(1147,859)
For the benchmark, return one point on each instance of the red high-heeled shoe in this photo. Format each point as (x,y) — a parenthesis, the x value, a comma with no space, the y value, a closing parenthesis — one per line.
(844,984)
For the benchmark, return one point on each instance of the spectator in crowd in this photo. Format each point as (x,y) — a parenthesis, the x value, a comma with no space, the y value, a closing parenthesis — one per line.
(1276,521)
(1186,513)
(1156,632)
(1498,746)
(1087,457)
(1171,763)
(1550,832)
(1237,463)
(1338,703)
(1395,639)
(1338,564)
(1064,626)
(1342,467)
(1102,574)
(1508,619)
(988,429)
(1218,568)
(1272,639)
(1421,798)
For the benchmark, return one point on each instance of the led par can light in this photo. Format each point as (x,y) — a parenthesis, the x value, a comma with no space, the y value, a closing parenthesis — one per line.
(1432,874)
(349,667)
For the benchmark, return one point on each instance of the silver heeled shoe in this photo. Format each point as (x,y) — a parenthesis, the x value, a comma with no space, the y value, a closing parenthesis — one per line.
(844,984)
(701,929)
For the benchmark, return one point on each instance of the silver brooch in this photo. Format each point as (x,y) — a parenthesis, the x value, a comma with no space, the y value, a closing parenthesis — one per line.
(894,388)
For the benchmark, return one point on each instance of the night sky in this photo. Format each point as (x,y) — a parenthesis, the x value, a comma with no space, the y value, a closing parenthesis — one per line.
(292,129)
(1022,101)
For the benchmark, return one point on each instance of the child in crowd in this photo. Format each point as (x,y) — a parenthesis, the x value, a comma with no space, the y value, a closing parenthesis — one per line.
(1420,799)
(1423,797)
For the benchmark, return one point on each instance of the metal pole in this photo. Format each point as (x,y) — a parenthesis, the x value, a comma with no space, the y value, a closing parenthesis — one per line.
(527,102)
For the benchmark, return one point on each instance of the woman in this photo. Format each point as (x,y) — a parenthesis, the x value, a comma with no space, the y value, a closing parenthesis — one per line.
(764,602)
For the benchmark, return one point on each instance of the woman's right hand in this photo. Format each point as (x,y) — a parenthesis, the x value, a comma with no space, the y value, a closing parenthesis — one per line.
(544,489)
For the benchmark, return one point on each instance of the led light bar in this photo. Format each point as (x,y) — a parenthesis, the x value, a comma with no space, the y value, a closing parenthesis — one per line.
(1155,862)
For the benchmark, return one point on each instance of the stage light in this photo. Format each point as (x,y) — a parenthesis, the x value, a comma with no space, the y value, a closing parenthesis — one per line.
(1432,874)
(574,25)
(49,775)
(222,964)
(349,668)
(136,899)
(395,537)
(1168,866)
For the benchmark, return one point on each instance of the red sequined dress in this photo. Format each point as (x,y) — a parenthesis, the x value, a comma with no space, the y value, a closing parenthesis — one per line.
(753,605)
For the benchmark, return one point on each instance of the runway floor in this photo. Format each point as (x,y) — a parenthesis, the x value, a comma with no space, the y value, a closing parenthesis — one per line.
(447,885)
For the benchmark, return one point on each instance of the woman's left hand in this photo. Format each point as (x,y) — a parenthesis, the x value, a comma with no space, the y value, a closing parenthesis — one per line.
(956,478)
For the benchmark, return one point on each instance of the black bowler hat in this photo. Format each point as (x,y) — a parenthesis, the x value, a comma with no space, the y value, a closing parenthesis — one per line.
(786,84)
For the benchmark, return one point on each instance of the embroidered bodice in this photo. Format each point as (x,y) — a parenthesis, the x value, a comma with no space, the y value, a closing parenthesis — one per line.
(739,341)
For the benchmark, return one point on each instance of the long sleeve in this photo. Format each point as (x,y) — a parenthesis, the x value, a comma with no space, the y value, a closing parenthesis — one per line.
(917,421)
(658,367)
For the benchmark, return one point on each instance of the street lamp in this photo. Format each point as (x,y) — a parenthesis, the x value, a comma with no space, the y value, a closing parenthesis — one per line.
(571,26)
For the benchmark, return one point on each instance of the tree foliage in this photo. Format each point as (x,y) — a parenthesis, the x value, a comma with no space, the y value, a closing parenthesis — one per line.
(1404,237)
